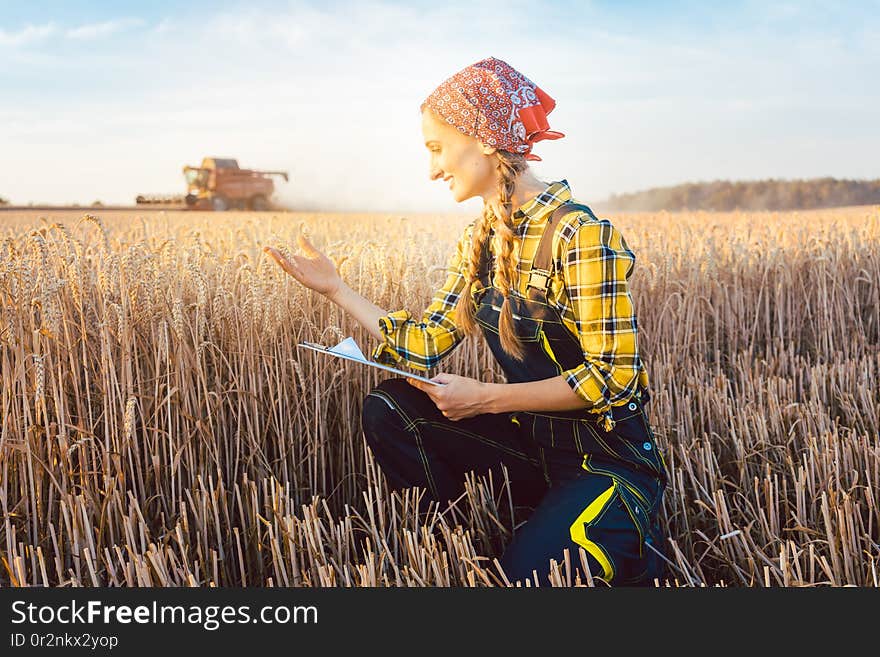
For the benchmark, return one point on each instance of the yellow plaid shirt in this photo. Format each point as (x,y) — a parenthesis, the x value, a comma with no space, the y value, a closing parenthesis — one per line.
(589,288)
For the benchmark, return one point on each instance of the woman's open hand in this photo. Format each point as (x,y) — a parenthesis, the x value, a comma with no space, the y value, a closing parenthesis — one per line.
(459,399)
(314,269)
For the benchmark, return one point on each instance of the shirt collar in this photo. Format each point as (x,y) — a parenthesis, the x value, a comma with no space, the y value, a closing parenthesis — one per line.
(540,207)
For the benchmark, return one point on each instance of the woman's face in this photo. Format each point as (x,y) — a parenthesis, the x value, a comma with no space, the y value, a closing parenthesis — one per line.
(461,161)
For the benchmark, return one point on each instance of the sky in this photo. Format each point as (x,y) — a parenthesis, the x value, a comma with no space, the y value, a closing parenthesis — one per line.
(108,100)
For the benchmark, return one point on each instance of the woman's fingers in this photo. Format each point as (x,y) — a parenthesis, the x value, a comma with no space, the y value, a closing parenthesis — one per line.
(286,265)
(276,256)
(306,246)
(310,251)
(424,387)
(272,254)
(431,392)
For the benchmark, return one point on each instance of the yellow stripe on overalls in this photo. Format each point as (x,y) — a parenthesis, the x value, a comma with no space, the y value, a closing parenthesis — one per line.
(549,351)
(578,532)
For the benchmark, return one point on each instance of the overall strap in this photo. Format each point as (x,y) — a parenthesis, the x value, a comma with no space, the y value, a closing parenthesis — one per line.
(539,276)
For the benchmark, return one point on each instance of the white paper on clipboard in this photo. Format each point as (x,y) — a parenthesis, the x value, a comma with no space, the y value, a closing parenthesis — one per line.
(349,350)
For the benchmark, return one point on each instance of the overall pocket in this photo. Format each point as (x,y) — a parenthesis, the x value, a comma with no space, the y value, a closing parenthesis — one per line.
(612,528)
(527,328)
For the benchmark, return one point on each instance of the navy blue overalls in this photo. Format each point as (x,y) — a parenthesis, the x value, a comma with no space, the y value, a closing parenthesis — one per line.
(590,487)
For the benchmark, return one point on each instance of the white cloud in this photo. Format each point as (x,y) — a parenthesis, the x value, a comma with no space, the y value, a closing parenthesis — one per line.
(28,34)
(105,28)
(163,26)
(31,34)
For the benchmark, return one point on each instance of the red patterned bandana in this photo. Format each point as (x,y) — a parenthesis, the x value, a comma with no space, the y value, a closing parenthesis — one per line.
(495,103)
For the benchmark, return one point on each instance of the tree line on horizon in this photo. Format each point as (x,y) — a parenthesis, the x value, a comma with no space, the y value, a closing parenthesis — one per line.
(770,194)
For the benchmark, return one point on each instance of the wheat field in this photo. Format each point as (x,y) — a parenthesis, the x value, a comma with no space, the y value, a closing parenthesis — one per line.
(160,428)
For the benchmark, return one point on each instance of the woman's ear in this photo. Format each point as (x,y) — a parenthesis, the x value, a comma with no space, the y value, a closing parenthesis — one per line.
(486,149)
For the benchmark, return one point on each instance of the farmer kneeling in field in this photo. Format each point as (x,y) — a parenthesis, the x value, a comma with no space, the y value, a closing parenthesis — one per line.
(546,282)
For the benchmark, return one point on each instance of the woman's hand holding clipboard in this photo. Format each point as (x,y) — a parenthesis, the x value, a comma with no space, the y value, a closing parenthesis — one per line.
(349,350)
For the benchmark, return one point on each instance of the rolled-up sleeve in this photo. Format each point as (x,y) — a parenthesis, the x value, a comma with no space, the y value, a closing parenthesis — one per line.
(597,263)
(423,343)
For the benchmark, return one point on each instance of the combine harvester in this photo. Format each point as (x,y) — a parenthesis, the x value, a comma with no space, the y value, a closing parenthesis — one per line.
(219,184)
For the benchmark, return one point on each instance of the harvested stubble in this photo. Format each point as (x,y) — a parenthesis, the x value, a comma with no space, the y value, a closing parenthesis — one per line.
(159,426)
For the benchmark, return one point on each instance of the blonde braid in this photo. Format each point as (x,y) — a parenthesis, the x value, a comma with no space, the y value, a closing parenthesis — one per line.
(510,165)
(465,311)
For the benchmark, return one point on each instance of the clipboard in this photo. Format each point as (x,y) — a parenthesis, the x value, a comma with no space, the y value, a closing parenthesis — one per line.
(349,350)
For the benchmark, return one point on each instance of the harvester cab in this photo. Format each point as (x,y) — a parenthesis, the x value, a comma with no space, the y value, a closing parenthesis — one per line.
(220,184)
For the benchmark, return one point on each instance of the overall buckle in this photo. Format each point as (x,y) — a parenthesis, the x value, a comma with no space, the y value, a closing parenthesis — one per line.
(538,280)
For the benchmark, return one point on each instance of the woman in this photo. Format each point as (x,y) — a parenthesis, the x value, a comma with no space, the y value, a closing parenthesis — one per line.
(546,282)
